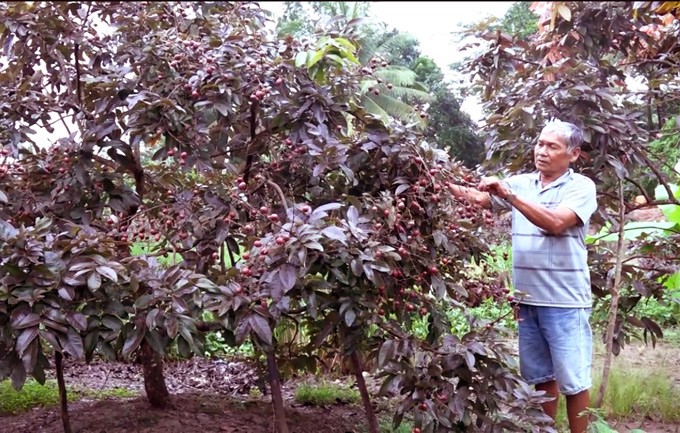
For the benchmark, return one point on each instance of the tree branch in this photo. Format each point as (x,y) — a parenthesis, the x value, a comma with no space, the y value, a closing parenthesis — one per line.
(613,308)
(660,177)
(644,192)
(280,194)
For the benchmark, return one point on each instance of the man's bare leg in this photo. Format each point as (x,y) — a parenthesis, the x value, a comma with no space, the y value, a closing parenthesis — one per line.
(550,388)
(577,404)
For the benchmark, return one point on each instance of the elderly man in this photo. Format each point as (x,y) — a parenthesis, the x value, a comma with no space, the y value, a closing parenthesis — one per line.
(551,209)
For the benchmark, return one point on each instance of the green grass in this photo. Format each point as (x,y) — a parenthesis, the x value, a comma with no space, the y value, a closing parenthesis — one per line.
(33,394)
(639,394)
(386,427)
(325,394)
(671,336)
(632,394)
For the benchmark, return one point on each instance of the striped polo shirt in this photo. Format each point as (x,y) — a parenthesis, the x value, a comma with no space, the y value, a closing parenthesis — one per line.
(552,269)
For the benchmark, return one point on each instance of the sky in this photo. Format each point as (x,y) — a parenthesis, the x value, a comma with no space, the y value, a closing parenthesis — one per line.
(432,23)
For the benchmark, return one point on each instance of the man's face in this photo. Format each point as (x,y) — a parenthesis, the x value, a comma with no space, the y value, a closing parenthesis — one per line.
(551,156)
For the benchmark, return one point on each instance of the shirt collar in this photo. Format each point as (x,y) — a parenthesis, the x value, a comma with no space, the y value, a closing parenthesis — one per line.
(536,176)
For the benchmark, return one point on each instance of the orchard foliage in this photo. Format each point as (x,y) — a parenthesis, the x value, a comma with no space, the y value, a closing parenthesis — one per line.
(576,67)
(189,127)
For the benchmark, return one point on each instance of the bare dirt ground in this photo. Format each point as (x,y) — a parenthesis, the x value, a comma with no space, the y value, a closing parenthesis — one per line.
(208,396)
(215,396)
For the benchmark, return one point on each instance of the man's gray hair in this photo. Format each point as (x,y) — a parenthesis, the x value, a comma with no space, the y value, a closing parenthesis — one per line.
(571,133)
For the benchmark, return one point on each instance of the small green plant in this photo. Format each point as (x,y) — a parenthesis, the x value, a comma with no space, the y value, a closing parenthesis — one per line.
(254,392)
(325,394)
(386,427)
(599,425)
(31,395)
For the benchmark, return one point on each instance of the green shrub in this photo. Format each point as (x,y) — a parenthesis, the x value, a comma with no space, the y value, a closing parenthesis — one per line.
(325,393)
(217,345)
(662,312)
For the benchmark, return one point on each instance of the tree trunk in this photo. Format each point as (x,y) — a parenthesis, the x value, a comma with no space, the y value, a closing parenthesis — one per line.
(365,398)
(277,396)
(154,380)
(650,120)
(152,362)
(63,397)
(614,307)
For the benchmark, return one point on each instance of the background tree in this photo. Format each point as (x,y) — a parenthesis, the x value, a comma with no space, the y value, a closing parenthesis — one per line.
(519,20)
(389,91)
(294,21)
(407,86)
(448,125)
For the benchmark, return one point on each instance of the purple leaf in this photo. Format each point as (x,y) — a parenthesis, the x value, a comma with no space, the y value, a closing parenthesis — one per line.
(288,276)
(261,327)
(133,340)
(25,338)
(335,233)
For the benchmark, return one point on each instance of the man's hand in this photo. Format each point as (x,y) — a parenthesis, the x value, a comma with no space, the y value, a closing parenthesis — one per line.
(493,185)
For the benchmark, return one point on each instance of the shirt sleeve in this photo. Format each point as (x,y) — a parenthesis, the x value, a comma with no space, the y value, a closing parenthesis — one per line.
(581,198)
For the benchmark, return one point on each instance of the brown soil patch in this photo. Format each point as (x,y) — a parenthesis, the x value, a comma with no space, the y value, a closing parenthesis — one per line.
(207,395)
(193,413)
(220,396)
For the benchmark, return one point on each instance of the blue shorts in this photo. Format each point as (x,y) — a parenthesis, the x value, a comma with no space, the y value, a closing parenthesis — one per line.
(556,344)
